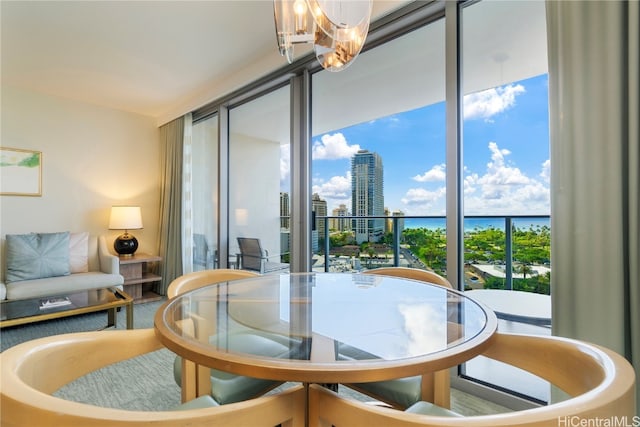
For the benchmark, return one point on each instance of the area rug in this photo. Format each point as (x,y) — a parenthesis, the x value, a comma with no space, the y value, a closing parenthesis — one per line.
(143,383)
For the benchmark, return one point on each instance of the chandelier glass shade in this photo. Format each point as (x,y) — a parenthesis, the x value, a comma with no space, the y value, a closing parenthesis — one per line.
(336,28)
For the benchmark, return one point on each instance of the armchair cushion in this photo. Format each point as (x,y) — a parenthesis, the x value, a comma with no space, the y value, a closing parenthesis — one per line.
(230,388)
(79,252)
(426,408)
(62,285)
(88,265)
(402,391)
(37,255)
(197,403)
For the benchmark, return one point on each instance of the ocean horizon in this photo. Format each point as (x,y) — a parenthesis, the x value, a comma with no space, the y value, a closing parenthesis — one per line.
(470,224)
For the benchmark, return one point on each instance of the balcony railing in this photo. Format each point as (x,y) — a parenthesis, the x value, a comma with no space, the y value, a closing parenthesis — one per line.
(486,260)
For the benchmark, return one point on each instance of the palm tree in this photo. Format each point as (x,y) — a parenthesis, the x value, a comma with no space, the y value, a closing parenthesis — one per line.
(524,269)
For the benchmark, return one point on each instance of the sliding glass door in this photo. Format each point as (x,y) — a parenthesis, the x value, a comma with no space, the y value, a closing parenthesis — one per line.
(379,154)
(506,175)
(259,175)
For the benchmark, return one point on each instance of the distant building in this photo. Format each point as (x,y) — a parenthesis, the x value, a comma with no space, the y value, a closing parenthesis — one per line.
(398,213)
(340,224)
(388,223)
(319,207)
(367,195)
(285,210)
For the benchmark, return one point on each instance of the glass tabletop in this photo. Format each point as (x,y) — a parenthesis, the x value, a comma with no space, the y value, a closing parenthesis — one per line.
(323,320)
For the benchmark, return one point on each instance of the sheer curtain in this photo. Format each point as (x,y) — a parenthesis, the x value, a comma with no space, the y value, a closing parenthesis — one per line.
(187,197)
(170,239)
(595,162)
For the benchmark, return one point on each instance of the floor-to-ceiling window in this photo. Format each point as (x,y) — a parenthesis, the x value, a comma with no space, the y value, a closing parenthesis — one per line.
(259,173)
(506,196)
(379,151)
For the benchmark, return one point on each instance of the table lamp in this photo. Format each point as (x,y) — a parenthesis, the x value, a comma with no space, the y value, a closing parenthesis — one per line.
(125,218)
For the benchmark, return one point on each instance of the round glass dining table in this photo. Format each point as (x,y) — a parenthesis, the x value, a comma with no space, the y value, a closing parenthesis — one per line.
(328,327)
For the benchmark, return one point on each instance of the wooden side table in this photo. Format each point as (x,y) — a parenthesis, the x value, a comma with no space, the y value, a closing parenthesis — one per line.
(138,278)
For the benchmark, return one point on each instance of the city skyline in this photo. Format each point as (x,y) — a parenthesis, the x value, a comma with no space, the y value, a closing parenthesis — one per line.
(506,154)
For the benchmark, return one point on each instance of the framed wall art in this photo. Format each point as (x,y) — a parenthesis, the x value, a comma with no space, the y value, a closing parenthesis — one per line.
(20,172)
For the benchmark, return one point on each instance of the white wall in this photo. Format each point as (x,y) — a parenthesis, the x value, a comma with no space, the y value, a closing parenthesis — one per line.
(92,158)
(254,192)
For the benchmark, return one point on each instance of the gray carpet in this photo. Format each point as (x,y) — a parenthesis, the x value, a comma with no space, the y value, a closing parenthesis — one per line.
(146,383)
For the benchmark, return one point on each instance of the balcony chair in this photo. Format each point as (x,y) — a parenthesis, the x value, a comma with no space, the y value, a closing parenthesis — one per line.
(404,392)
(224,387)
(32,371)
(600,383)
(253,257)
(202,255)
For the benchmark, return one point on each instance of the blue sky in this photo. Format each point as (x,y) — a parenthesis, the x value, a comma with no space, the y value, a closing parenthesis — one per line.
(506,154)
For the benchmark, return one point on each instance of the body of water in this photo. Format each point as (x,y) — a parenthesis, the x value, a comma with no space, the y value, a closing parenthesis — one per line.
(471,224)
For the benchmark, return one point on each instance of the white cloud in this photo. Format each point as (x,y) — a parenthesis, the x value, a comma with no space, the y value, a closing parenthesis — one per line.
(337,188)
(498,173)
(436,173)
(504,189)
(546,171)
(423,197)
(487,103)
(425,326)
(331,147)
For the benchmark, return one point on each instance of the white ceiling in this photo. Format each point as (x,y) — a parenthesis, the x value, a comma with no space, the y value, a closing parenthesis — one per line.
(156,58)
(503,42)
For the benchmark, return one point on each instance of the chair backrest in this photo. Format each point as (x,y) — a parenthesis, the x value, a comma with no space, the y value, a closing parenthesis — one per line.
(197,279)
(251,253)
(200,249)
(31,371)
(412,273)
(601,384)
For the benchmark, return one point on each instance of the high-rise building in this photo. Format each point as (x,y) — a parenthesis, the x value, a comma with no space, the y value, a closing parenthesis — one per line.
(284,210)
(400,222)
(340,224)
(388,223)
(367,195)
(319,207)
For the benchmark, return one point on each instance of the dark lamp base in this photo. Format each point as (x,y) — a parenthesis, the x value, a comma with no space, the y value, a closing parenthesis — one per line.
(125,245)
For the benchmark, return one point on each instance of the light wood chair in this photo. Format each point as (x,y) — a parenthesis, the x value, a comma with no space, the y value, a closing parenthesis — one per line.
(412,273)
(198,279)
(197,380)
(600,383)
(32,371)
(404,392)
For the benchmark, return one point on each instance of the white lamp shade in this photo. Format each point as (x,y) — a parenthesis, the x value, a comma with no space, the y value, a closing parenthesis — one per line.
(125,218)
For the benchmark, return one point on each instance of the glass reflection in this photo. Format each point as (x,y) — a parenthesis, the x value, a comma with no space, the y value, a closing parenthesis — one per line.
(327,317)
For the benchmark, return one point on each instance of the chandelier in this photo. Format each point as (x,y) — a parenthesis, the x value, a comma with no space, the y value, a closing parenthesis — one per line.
(337,28)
